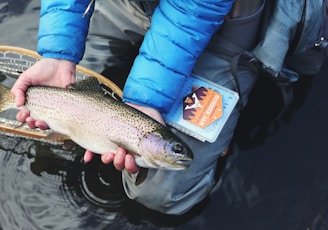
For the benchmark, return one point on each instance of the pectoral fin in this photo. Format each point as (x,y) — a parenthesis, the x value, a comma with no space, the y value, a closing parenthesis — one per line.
(68,144)
(56,137)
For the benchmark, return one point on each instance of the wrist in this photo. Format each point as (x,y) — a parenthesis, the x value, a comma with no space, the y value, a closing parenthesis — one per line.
(60,72)
(151,112)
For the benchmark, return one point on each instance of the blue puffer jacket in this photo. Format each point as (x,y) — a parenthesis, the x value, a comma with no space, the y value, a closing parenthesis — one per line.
(179,32)
(62,29)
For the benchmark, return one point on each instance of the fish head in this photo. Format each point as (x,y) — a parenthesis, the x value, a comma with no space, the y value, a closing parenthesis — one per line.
(164,150)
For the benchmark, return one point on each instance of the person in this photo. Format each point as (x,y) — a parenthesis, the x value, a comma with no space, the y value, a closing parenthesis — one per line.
(176,39)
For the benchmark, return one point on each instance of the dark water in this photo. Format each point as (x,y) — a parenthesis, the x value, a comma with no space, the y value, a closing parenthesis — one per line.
(276,179)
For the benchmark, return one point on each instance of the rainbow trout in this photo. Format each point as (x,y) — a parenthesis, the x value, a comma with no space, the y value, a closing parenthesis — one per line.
(101,124)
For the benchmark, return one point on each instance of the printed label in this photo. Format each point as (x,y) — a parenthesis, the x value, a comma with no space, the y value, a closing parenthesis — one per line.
(202,107)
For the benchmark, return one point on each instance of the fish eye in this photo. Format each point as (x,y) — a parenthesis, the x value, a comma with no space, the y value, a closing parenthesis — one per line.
(177,148)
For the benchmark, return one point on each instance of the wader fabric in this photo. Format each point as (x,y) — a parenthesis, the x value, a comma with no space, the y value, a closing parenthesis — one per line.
(118,25)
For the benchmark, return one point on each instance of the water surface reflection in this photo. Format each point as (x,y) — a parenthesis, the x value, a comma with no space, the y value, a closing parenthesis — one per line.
(276,180)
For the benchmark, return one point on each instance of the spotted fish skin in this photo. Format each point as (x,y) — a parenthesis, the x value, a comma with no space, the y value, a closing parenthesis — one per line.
(101,124)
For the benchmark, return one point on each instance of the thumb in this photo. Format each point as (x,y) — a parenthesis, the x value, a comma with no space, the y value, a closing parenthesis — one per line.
(19,88)
(19,95)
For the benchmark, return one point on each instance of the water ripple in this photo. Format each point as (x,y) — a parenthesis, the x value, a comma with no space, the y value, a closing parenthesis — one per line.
(36,194)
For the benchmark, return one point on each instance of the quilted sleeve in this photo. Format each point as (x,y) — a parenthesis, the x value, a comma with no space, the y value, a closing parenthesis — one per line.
(63,29)
(179,32)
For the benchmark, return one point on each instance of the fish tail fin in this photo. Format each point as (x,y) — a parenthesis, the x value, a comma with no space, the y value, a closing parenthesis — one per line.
(6,99)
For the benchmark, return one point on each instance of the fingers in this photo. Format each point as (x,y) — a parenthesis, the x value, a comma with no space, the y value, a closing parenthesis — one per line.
(18,91)
(47,71)
(19,97)
(30,122)
(41,125)
(22,115)
(120,159)
(88,155)
(107,158)
(130,164)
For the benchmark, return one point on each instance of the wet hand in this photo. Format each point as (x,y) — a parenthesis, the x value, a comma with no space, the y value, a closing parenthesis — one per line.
(48,72)
(121,159)
(24,116)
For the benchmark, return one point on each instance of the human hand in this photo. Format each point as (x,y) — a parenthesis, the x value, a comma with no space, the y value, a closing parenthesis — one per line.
(47,71)
(121,159)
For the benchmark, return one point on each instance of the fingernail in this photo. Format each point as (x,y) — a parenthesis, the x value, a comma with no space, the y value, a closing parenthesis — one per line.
(108,157)
(120,153)
(21,116)
(128,160)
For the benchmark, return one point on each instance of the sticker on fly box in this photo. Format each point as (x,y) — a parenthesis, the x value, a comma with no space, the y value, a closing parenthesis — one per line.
(202,107)
(201,112)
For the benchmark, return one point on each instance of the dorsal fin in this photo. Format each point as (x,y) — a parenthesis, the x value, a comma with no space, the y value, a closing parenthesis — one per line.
(88,84)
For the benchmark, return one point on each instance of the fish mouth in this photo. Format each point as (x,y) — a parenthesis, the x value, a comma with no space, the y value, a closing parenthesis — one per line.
(183,163)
